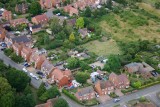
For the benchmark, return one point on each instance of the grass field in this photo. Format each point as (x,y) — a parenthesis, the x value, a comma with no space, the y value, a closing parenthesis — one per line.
(103,48)
(132,25)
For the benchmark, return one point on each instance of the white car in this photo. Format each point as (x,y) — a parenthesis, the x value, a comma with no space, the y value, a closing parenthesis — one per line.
(97,95)
(36,78)
(25,70)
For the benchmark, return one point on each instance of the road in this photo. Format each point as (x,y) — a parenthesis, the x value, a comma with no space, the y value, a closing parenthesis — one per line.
(35,83)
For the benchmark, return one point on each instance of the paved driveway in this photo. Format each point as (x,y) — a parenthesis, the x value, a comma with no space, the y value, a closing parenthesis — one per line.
(104,98)
(118,92)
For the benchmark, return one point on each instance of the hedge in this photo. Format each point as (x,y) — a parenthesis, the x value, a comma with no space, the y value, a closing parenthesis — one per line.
(148,85)
(71,96)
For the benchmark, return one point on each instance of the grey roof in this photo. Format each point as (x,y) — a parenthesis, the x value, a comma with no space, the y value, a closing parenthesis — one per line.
(86,90)
(49,14)
(36,26)
(83,31)
(20,39)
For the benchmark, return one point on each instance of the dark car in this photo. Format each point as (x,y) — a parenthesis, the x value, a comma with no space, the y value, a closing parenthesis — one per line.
(154,73)
(40,73)
(2,49)
(46,84)
(100,78)
(4,45)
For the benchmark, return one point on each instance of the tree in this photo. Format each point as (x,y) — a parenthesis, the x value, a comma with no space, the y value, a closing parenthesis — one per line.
(6,95)
(80,23)
(46,39)
(55,26)
(61,35)
(50,93)
(113,63)
(41,90)
(136,84)
(84,65)
(88,12)
(157,5)
(35,8)
(18,79)
(61,103)
(27,90)
(72,63)
(109,4)
(72,37)
(81,77)
(25,101)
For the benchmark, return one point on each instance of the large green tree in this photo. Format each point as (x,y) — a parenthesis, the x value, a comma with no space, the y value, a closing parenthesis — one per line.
(113,64)
(72,63)
(81,77)
(55,26)
(88,12)
(80,23)
(50,93)
(6,95)
(61,103)
(35,8)
(18,79)
(41,90)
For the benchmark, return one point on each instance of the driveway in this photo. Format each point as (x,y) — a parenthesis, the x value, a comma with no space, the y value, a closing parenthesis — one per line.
(104,98)
(118,92)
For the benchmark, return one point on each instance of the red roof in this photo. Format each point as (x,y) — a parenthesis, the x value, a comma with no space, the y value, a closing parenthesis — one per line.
(41,18)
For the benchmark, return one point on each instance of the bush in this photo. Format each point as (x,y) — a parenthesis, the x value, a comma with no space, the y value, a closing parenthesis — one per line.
(8,51)
(113,95)
(16,58)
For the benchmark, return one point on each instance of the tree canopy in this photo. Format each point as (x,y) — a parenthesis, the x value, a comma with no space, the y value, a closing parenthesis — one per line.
(17,79)
(35,8)
(80,23)
(7,98)
(81,77)
(61,103)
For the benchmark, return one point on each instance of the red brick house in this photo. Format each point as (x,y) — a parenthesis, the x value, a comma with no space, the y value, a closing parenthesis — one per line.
(71,10)
(19,21)
(87,93)
(59,77)
(46,4)
(103,87)
(7,15)
(47,67)
(37,60)
(49,103)
(40,19)
(2,33)
(26,53)
(119,81)
(17,48)
(21,8)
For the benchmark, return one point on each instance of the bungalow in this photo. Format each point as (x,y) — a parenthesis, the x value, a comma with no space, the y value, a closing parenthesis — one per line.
(83,32)
(21,8)
(103,87)
(142,68)
(40,19)
(7,15)
(71,10)
(59,77)
(19,21)
(87,93)
(119,81)
(17,48)
(47,67)
(37,60)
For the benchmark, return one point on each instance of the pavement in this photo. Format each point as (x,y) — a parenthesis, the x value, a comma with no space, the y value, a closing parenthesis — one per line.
(35,83)
(154,99)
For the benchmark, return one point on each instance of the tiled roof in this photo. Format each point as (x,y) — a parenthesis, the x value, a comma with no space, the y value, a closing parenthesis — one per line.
(20,39)
(85,91)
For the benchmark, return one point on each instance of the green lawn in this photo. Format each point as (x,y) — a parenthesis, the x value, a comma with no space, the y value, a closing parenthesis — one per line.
(103,48)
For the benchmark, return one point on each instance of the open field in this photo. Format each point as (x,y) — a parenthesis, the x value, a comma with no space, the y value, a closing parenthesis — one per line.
(103,48)
(132,25)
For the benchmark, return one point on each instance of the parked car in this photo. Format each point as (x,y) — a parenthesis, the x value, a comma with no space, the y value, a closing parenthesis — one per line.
(96,94)
(4,45)
(116,100)
(46,84)
(36,78)
(154,73)
(25,70)
(2,49)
